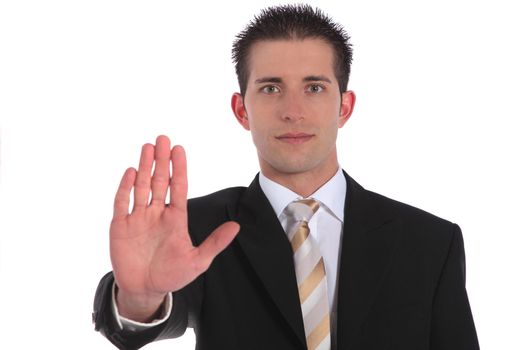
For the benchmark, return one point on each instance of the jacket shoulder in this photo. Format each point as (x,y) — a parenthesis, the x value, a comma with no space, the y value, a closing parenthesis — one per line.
(422,227)
(406,212)
(420,230)
(375,205)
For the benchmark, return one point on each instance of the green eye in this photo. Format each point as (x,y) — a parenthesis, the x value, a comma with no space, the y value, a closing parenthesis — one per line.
(270,89)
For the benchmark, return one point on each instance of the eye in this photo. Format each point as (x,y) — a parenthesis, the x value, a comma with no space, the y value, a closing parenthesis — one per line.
(315,88)
(270,89)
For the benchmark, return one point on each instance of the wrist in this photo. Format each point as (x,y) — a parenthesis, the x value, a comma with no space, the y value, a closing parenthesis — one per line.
(140,307)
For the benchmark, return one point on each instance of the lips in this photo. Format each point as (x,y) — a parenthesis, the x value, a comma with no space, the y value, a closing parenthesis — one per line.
(295,138)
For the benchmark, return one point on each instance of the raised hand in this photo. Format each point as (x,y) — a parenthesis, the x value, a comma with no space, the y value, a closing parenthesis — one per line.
(151,250)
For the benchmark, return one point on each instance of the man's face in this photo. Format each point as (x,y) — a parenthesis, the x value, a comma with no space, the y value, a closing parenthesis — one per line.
(293,106)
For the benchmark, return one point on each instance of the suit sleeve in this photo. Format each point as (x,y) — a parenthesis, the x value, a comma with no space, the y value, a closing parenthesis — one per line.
(452,325)
(106,323)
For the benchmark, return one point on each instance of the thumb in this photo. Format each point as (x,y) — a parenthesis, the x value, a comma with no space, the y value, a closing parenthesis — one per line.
(216,242)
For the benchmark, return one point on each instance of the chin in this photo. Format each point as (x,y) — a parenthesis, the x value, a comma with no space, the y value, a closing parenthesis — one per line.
(292,167)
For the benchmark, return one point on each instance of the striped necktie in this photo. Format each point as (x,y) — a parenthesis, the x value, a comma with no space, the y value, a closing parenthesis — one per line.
(310,274)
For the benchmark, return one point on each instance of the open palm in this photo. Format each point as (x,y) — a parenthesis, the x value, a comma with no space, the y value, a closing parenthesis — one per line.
(151,250)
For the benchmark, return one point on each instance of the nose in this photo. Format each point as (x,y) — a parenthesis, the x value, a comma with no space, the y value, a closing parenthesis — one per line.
(292,108)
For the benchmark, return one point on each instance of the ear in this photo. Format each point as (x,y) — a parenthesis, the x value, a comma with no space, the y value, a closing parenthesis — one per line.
(239,110)
(347,107)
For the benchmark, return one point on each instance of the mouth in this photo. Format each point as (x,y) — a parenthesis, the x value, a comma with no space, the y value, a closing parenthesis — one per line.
(295,138)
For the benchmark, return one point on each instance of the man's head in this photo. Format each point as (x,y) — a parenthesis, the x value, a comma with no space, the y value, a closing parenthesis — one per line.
(293,101)
(293,22)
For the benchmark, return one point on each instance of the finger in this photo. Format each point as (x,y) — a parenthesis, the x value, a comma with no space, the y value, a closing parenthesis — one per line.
(161,175)
(143,178)
(121,204)
(219,239)
(179,180)
(179,189)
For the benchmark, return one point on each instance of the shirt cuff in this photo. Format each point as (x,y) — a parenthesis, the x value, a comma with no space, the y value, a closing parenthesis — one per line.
(130,325)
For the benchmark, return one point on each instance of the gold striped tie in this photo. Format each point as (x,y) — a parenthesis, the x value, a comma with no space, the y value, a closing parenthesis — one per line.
(310,273)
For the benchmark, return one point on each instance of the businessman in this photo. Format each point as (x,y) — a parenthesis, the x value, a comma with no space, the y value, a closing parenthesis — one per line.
(302,258)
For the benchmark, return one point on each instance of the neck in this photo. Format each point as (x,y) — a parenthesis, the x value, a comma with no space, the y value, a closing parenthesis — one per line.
(302,183)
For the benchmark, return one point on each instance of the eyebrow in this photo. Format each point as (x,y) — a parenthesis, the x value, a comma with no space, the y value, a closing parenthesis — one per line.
(317,78)
(268,80)
(278,80)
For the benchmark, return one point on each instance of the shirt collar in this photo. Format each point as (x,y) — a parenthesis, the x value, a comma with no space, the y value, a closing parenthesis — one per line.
(332,194)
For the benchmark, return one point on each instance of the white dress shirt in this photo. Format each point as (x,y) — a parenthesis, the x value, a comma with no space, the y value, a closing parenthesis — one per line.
(326,227)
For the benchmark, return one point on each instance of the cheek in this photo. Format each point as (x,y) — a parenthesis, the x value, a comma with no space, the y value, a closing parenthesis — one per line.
(327,106)
(259,133)
(330,117)
(330,128)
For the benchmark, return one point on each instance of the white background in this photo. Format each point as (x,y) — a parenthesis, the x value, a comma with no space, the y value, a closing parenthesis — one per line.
(83,84)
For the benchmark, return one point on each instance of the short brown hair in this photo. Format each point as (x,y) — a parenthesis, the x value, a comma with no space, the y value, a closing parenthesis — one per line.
(293,22)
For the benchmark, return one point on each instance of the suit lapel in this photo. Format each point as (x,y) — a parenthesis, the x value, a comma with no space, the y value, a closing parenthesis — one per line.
(264,242)
(369,241)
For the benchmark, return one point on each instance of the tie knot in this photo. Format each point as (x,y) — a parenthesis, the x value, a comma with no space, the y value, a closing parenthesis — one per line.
(302,210)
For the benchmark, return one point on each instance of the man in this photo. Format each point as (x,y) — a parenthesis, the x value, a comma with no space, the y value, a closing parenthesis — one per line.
(303,258)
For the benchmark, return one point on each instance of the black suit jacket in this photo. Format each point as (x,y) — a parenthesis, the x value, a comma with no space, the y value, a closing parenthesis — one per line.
(401,281)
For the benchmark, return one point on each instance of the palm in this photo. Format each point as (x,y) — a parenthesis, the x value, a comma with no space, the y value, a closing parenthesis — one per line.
(151,250)
(149,243)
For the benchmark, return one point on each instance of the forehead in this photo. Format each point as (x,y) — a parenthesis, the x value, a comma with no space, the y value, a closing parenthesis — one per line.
(290,58)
